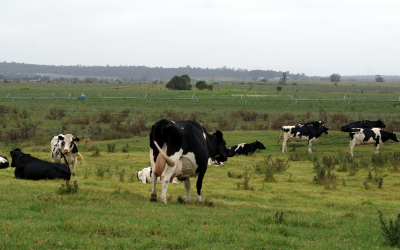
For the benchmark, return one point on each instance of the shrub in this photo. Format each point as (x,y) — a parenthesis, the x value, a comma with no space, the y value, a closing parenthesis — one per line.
(278,217)
(396,161)
(279,88)
(86,172)
(100,171)
(175,116)
(121,175)
(179,83)
(125,148)
(105,116)
(67,188)
(246,178)
(96,151)
(224,124)
(55,114)
(324,172)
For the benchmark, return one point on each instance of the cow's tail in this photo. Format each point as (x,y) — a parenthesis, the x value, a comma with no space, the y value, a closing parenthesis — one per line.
(167,159)
(279,137)
(80,156)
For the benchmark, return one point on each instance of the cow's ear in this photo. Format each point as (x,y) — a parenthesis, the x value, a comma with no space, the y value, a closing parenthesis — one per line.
(60,137)
(76,139)
(218,134)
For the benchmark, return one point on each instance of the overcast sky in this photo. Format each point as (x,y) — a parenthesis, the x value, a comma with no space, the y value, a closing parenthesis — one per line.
(315,37)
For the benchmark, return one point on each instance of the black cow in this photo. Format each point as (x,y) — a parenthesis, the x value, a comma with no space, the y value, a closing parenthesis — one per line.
(307,133)
(182,149)
(247,148)
(363,136)
(363,124)
(31,168)
(4,162)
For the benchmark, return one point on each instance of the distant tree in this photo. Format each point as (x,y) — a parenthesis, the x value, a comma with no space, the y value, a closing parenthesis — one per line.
(179,83)
(335,78)
(379,78)
(284,78)
(201,85)
(264,80)
(279,88)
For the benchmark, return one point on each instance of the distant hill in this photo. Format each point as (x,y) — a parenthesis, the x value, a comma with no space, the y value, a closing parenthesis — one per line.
(132,73)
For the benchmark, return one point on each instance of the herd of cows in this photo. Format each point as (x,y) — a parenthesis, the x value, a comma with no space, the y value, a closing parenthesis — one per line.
(181,150)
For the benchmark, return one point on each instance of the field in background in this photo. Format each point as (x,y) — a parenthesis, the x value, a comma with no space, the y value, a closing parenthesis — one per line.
(114,211)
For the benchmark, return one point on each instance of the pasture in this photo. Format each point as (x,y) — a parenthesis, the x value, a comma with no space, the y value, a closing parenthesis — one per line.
(111,209)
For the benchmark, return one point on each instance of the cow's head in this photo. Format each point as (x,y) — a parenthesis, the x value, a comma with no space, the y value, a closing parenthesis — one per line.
(66,143)
(381,124)
(15,154)
(220,148)
(259,145)
(325,130)
(393,137)
(140,175)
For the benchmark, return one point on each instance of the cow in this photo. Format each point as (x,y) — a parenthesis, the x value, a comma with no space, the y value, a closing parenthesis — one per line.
(182,149)
(247,148)
(287,128)
(31,168)
(65,150)
(363,136)
(146,176)
(363,124)
(306,133)
(214,162)
(4,162)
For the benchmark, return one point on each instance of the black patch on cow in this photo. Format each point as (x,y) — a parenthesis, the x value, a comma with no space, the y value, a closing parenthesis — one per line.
(74,149)
(363,124)
(151,171)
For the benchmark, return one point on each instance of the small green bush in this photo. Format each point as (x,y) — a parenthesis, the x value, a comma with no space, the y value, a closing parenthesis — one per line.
(111,147)
(391,232)
(68,189)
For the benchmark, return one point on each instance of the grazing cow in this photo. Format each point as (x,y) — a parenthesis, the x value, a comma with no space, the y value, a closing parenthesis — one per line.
(287,129)
(65,150)
(363,124)
(298,134)
(4,162)
(182,149)
(146,176)
(363,136)
(214,162)
(31,168)
(247,148)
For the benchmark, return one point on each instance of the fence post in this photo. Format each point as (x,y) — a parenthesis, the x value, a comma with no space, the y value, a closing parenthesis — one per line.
(29,133)
(129,128)
(234,125)
(94,129)
(62,130)
(269,126)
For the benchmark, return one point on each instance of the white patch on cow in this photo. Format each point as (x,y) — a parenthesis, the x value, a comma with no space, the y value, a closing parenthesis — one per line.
(205,137)
(214,163)
(183,128)
(3,160)
(358,139)
(240,146)
(167,174)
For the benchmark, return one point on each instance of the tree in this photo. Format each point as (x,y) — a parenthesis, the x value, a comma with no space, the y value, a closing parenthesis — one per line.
(201,85)
(379,78)
(335,78)
(179,83)
(264,80)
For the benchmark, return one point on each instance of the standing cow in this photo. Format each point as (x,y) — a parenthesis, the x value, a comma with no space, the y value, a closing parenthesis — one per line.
(63,147)
(363,136)
(182,149)
(363,124)
(287,128)
(298,134)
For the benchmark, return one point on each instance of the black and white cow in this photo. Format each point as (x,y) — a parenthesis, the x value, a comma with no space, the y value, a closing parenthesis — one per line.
(31,168)
(287,128)
(4,162)
(247,148)
(146,176)
(182,149)
(298,134)
(65,146)
(214,162)
(363,124)
(363,136)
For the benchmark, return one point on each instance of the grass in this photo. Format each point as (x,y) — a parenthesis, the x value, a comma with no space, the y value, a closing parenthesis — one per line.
(114,211)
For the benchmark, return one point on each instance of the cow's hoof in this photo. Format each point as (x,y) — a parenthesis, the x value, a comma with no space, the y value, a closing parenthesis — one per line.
(153,197)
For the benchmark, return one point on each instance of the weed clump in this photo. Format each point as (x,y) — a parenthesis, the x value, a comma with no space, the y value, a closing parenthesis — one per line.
(125,148)
(67,188)
(111,147)
(324,172)
(278,217)
(96,151)
(121,175)
(86,172)
(391,232)
(100,171)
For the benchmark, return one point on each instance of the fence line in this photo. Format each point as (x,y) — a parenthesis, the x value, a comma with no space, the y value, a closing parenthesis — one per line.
(194,98)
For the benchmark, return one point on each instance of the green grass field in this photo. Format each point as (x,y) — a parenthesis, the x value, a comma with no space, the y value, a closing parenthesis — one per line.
(114,213)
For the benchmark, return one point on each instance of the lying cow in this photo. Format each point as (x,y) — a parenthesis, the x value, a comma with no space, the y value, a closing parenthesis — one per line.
(287,128)
(214,162)
(363,136)
(182,149)
(247,148)
(146,176)
(4,162)
(31,168)
(307,133)
(363,124)
(65,150)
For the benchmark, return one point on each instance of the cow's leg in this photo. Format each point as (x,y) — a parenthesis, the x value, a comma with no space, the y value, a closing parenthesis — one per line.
(73,169)
(376,149)
(165,179)
(199,184)
(284,145)
(154,190)
(187,187)
(351,147)
(309,146)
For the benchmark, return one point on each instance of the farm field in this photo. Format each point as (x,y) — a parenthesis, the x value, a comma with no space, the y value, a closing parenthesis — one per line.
(114,212)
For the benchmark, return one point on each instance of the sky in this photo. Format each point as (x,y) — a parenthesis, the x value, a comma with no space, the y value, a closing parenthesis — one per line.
(315,37)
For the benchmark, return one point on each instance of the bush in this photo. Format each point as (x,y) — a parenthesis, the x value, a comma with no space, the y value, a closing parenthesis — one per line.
(391,233)
(279,88)
(55,114)
(67,188)
(111,147)
(179,83)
